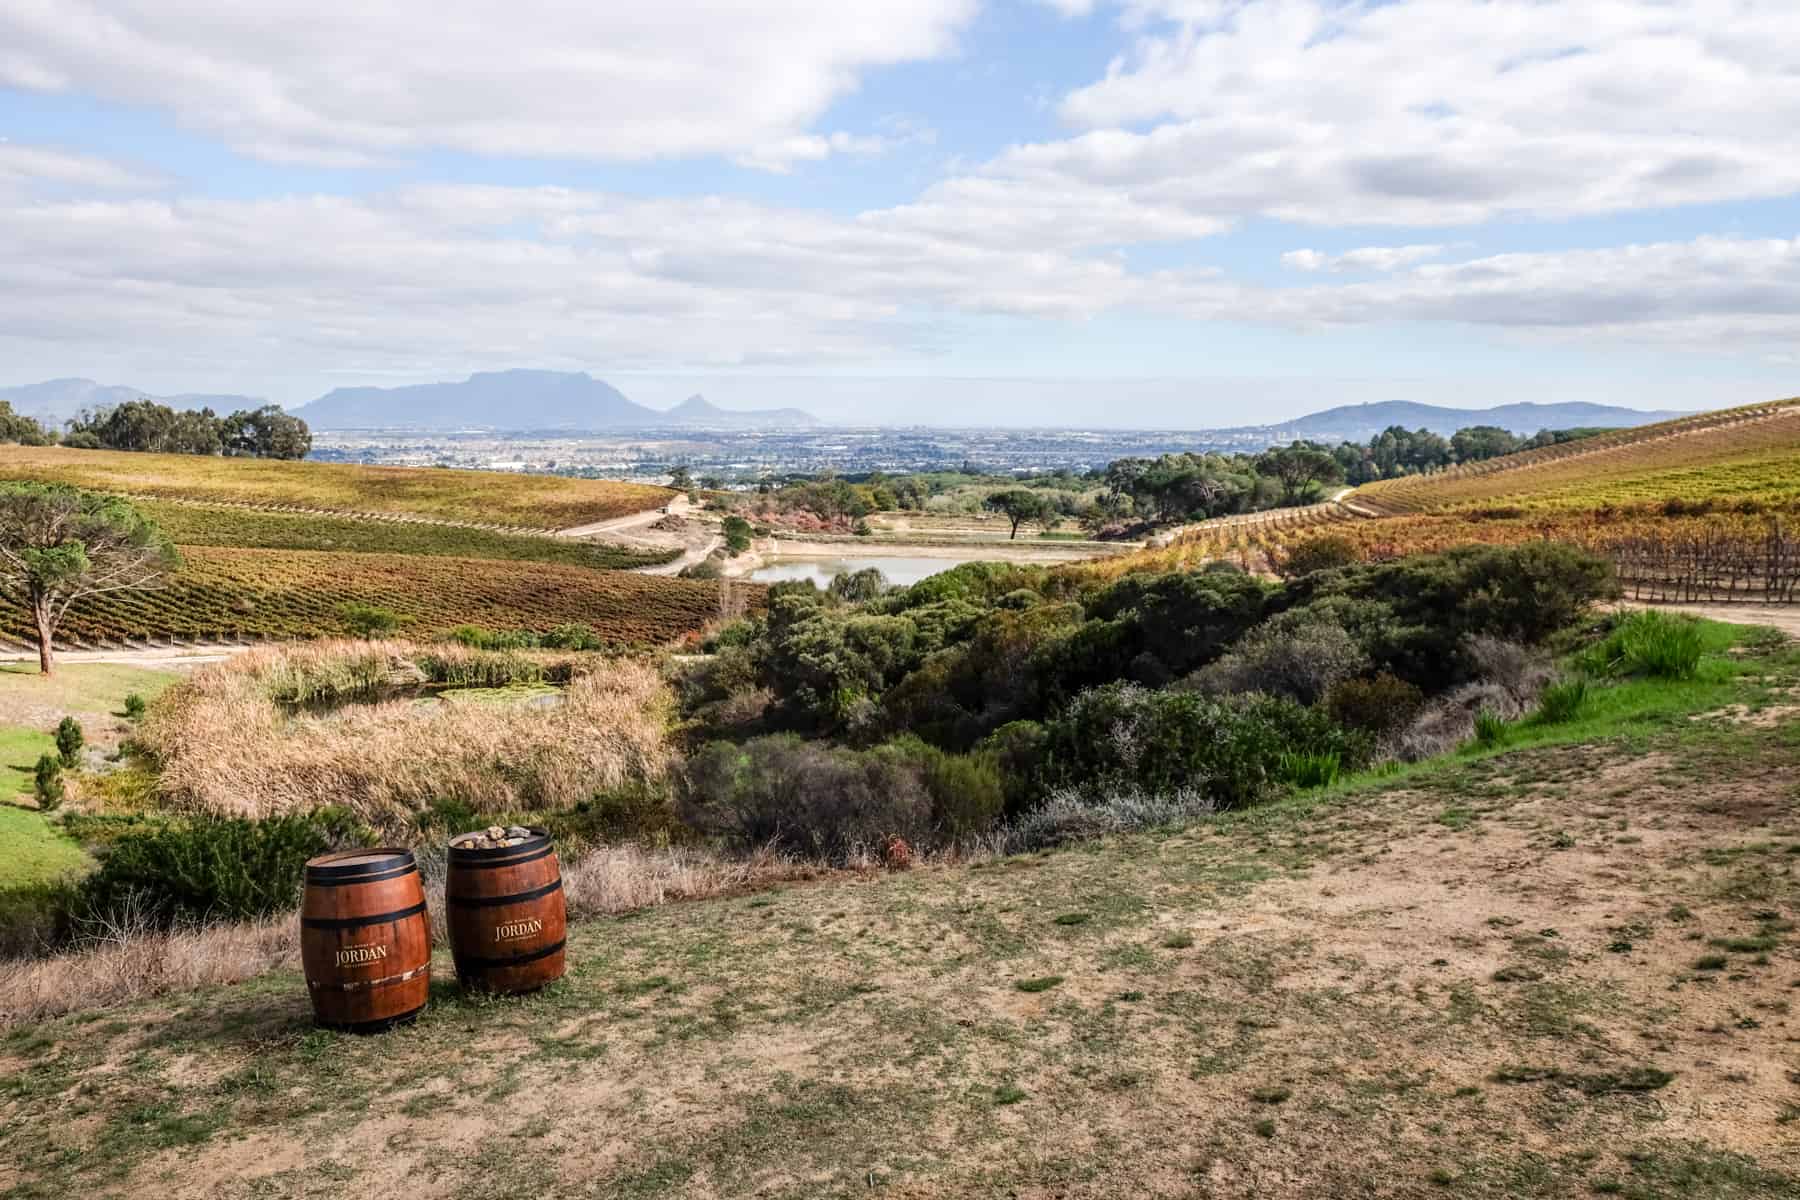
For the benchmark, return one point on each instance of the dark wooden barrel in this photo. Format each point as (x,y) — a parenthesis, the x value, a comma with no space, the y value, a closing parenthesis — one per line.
(504,906)
(365,939)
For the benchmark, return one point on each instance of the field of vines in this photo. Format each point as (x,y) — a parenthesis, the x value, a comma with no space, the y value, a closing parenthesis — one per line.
(1744,454)
(249,528)
(228,594)
(494,498)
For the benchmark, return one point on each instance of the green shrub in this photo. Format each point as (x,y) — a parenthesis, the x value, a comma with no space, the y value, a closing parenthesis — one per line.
(1309,769)
(737,535)
(966,793)
(1562,702)
(47,781)
(1648,642)
(855,587)
(1300,655)
(69,741)
(1017,751)
(575,636)
(211,870)
(1490,729)
(369,620)
(1124,738)
(1378,705)
(135,707)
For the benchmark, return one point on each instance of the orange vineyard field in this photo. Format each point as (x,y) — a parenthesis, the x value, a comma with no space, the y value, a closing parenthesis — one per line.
(478,497)
(228,593)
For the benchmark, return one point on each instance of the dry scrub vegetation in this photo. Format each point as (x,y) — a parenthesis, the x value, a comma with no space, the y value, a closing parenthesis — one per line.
(231,741)
(130,961)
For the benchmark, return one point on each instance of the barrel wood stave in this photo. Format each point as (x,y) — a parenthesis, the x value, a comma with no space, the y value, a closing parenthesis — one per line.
(506,914)
(365,939)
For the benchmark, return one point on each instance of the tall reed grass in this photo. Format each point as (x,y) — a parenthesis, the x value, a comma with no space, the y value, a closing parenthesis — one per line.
(228,742)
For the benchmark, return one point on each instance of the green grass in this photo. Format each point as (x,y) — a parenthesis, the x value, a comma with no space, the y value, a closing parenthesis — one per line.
(196,525)
(32,850)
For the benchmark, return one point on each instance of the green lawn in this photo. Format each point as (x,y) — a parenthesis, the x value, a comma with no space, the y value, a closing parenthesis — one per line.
(33,850)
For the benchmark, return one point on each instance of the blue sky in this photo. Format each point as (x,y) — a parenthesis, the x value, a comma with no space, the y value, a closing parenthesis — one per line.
(1073,212)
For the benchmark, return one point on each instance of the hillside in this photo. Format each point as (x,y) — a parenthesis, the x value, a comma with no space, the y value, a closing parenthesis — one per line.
(1742,453)
(223,593)
(488,498)
(1360,422)
(522,400)
(1559,971)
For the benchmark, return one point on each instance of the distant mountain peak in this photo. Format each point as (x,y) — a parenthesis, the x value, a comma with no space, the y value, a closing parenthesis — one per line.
(524,398)
(1360,422)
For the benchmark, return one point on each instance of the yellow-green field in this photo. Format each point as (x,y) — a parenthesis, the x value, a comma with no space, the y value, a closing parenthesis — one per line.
(247,528)
(481,497)
(223,592)
(1754,459)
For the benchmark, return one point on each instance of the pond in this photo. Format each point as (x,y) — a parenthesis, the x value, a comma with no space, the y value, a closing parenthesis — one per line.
(897,569)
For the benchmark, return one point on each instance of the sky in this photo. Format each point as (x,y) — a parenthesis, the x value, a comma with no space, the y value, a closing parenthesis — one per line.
(1169,213)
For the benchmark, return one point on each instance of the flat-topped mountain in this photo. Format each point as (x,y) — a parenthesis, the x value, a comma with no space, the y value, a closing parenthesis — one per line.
(523,400)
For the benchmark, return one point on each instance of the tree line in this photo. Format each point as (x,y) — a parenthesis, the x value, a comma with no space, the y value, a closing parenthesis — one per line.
(145,425)
(1192,487)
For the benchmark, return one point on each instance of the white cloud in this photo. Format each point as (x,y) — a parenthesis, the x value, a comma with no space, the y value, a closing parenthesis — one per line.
(1437,112)
(781,156)
(434,280)
(22,165)
(349,82)
(1365,258)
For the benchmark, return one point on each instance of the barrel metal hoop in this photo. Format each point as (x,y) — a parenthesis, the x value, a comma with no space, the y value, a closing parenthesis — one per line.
(361,985)
(316,880)
(487,863)
(464,963)
(555,885)
(398,914)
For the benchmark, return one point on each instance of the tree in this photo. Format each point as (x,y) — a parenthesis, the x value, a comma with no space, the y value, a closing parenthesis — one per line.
(1479,442)
(1020,505)
(1299,468)
(265,432)
(59,544)
(21,429)
(681,479)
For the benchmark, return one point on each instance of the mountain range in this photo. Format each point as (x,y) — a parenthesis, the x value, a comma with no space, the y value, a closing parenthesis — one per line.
(526,400)
(56,400)
(1360,422)
(521,400)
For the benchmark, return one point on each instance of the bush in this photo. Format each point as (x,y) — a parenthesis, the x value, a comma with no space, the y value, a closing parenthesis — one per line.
(210,870)
(576,636)
(369,620)
(966,792)
(1324,553)
(1523,672)
(1647,642)
(1376,706)
(1449,721)
(1122,738)
(804,798)
(47,781)
(134,707)
(1071,814)
(1562,702)
(1297,655)
(737,535)
(1017,751)
(856,587)
(69,741)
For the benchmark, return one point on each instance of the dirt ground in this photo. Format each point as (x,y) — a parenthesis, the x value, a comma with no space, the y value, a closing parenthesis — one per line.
(1557,972)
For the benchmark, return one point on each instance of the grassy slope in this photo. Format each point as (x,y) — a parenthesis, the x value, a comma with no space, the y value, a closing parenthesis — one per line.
(1445,984)
(483,497)
(1759,460)
(196,525)
(31,848)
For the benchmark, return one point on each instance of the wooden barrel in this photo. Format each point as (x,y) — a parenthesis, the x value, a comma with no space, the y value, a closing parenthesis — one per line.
(505,910)
(365,939)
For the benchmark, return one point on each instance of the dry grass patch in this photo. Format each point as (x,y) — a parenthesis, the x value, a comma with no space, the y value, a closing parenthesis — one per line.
(230,743)
(134,961)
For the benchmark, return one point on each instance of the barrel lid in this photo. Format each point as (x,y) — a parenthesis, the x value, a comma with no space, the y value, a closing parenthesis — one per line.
(347,865)
(538,838)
